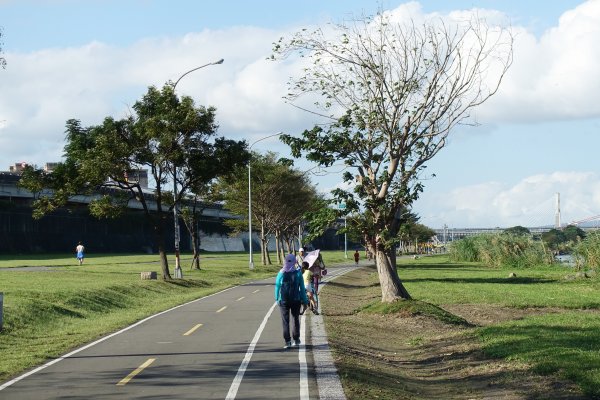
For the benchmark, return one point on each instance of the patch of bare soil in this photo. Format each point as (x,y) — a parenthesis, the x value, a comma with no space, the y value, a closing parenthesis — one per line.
(418,357)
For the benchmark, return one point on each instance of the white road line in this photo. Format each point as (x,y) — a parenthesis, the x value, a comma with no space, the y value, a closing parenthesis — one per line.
(221,309)
(235,385)
(302,360)
(241,298)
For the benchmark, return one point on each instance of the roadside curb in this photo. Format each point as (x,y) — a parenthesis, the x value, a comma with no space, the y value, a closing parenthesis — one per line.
(328,381)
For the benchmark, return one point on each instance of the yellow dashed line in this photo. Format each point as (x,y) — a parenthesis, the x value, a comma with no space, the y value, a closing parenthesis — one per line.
(139,369)
(192,330)
(221,309)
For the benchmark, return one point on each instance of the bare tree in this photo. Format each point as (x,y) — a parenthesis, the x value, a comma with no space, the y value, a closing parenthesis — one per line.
(2,59)
(393,92)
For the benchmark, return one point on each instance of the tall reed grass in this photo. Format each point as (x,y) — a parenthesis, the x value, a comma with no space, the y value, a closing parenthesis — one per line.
(587,251)
(498,250)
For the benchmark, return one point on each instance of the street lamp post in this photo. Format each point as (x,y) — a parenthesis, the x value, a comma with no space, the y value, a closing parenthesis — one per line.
(342,206)
(251,261)
(178,272)
(345,238)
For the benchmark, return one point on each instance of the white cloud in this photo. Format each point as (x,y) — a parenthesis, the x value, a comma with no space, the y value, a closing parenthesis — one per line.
(556,76)
(530,202)
(42,89)
(553,77)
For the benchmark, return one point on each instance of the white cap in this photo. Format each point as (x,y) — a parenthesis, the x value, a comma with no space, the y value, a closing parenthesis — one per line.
(301,249)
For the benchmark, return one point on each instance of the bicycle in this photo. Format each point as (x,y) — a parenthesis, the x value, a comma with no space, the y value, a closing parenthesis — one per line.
(314,289)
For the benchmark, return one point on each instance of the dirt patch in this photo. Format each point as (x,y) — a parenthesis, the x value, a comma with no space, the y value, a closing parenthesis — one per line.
(419,357)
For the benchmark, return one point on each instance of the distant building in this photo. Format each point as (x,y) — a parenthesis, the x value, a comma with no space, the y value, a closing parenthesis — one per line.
(50,166)
(139,175)
(18,167)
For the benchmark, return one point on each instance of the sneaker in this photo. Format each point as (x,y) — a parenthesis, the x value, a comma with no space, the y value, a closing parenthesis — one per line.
(296,343)
(315,312)
(287,345)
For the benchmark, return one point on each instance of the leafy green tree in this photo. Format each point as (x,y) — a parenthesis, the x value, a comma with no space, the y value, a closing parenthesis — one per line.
(169,136)
(418,232)
(393,92)
(281,196)
(564,239)
(554,238)
(517,230)
(573,233)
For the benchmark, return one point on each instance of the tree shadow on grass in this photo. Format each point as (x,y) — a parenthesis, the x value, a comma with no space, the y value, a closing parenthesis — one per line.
(570,350)
(504,281)
(349,286)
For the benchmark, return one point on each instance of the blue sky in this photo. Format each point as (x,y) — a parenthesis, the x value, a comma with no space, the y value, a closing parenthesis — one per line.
(538,136)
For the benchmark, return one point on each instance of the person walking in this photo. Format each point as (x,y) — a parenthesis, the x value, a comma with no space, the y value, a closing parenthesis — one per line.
(300,258)
(307,276)
(356,257)
(79,253)
(290,294)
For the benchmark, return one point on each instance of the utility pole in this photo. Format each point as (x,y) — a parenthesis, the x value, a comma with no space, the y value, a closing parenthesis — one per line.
(445,234)
(557,223)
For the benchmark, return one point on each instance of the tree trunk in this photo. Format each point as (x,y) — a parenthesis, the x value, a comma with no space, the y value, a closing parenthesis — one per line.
(278,247)
(263,244)
(159,233)
(391,286)
(196,250)
(267,255)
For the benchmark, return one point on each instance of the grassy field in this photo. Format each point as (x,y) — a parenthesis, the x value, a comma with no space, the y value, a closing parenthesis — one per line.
(470,332)
(55,305)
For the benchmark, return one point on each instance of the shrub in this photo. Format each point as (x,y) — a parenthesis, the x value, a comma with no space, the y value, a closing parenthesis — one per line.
(587,251)
(507,249)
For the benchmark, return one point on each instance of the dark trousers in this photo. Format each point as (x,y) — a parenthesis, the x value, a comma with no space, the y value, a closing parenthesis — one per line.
(285,309)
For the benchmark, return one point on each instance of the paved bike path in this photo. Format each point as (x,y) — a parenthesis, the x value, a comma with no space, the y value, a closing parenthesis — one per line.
(193,351)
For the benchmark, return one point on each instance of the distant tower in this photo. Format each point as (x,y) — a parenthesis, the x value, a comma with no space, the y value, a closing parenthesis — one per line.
(557,215)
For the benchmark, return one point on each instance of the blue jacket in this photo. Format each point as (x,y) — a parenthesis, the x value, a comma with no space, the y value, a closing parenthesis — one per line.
(303,298)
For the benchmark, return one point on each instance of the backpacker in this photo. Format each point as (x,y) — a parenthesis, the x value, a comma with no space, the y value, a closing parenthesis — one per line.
(289,290)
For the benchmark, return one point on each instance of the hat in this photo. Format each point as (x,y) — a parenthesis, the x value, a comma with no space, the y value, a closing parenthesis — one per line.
(289,263)
(301,249)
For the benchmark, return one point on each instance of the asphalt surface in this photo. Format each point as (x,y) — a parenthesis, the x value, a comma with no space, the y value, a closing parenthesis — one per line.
(225,346)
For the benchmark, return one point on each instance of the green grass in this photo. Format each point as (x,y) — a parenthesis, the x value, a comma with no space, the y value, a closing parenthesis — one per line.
(567,344)
(414,307)
(437,280)
(52,310)
(562,340)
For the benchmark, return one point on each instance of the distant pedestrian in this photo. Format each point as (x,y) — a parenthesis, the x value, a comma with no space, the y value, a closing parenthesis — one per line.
(300,258)
(290,294)
(79,253)
(356,257)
